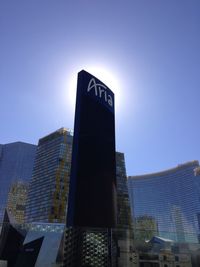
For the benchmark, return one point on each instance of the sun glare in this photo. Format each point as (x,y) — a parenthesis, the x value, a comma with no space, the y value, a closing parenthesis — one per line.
(102,74)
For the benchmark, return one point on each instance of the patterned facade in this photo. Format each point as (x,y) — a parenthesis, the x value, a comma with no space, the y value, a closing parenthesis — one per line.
(16,163)
(48,191)
(103,246)
(89,247)
(170,202)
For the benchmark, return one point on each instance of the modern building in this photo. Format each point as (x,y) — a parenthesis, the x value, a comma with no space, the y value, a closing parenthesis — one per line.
(99,246)
(48,190)
(164,252)
(169,202)
(16,203)
(123,233)
(124,220)
(11,240)
(16,163)
(42,246)
(89,247)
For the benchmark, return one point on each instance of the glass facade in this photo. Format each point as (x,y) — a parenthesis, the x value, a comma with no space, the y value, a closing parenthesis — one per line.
(16,203)
(48,190)
(41,245)
(167,203)
(123,203)
(148,242)
(165,230)
(16,163)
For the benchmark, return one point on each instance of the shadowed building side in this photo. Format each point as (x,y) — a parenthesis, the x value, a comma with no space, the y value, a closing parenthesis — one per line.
(92,192)
(124,220)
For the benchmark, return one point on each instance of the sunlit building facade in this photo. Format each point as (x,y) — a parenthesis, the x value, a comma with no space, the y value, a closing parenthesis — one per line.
(16,163)
(16,203)
(48,190)
(169,201)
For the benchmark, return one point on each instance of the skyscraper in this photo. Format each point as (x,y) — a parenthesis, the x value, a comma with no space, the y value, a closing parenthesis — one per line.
(48,190)
(16,163)
(171,199)
(123,203)
(123,234)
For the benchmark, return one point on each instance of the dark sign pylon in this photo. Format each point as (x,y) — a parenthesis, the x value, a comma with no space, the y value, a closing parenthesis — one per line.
(92,191)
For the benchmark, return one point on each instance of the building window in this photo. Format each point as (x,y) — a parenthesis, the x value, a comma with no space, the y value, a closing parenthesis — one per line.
(176,258)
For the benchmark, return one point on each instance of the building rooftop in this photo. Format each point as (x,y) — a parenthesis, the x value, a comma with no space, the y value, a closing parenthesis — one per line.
(194,163)
(55,134)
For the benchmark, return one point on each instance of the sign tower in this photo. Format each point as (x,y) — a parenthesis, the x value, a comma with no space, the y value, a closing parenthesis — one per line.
(92,191)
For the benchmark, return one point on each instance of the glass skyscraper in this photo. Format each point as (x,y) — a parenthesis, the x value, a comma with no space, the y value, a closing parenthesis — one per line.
(48,190)
(168,202)
(123,233)
(123,203)
(16,163)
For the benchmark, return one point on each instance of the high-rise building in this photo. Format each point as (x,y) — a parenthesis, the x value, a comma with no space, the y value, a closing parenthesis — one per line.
(42,246)
(171,199)
(48,190)
(124,220)
(16,203)
(123,233)
(16,163)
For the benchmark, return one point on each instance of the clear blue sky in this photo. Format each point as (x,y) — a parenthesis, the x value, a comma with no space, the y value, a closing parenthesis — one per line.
(151,46)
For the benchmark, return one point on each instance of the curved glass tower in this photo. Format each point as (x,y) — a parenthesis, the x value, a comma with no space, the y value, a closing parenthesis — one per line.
(167,203)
